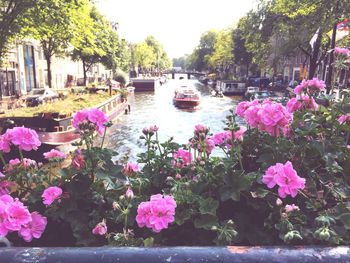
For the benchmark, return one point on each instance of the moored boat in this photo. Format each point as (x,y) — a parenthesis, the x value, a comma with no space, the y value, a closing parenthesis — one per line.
(55,131)
(186,97)
(231,87)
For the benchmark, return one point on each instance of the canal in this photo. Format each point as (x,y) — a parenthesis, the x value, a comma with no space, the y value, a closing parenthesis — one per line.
(156,108)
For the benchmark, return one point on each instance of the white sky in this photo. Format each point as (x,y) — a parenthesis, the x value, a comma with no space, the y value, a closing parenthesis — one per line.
(176,24)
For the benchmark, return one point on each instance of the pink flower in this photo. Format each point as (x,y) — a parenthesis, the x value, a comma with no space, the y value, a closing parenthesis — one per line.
(312,86)
(285,177)
(2,175)
(271,175)
(157,213)
(153,128)
(199,128)
(220,137)
(94,116)
(129,193)
(182,158)
(251,115)
(341,51)
(344,119)
(100,228)
(130,169)
(16,215)
(97,117)
(33,229)
(5,187)
(5,143)
(209,145)
(54,154)
(27,163)
(238,135)
(293,105)
(291,208)
(26,139)
(309,103)
(51,194)
(78,160)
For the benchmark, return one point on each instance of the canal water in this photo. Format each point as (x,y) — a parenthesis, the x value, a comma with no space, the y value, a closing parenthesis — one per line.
(156,108)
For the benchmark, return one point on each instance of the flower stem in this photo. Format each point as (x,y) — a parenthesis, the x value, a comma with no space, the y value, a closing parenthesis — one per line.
(2,159)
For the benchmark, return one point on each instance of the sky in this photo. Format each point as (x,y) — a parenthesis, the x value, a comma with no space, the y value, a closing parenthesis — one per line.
(177,25)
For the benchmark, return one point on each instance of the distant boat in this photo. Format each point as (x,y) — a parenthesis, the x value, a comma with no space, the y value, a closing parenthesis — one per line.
(231,87)
(186,98)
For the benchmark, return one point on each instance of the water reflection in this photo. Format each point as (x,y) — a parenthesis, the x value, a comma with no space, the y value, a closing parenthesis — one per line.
(157,108)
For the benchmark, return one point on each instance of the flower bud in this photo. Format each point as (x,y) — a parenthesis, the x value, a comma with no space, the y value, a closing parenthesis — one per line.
(116,206)
(129,193)
(279,202)
(178,176)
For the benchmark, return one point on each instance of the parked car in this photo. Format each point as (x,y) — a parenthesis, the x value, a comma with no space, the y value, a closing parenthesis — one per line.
(250,91)
(39,96)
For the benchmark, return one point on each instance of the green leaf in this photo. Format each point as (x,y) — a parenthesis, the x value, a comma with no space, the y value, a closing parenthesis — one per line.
(236,184)
(182,215)
(345,218)
(206,222)
(148,242)
(208,206)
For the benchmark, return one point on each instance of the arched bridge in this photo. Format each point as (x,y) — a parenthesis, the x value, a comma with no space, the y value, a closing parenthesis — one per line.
(186,72)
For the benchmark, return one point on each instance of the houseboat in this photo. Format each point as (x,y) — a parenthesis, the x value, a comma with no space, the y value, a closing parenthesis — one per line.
(231,87)
(55,130)
(186,98)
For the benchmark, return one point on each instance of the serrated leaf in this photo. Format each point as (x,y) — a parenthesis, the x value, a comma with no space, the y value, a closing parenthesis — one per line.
(345,218)
(208,206)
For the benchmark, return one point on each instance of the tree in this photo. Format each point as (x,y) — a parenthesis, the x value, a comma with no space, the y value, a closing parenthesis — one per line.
(54,23)
(240,52)
(222,56)
(11,13)
(198,60)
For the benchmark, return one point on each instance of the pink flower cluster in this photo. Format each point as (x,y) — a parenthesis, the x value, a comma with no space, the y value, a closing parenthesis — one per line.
(291,208)
(311,86)
(100,228)
(54,154)
(225,138)
(51,194)
(182,158)
(341,51)
(285,177)
(150,130)
(130,169)
(96,117)
(268,116)
(344,119)
(14,216)
(305,102)
(26,139)
(16,163)
(157,213)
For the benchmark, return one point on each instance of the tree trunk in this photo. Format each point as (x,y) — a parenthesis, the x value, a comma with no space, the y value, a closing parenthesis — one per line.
(84,72)
(314,56)
(49,76)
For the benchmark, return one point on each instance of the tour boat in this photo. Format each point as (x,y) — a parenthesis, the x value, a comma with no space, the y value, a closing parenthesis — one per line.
(186,97)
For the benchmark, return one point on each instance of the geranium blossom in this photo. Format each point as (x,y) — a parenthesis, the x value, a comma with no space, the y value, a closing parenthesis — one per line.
(54,154)
(182,158)
(157,213)
(26,139)
(131,168)
(94,116)
(344,119)
(33,229)
(5,143)
(341,51)
(312,86)
(285,177)
(100,228)
(51,194)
